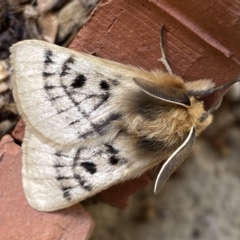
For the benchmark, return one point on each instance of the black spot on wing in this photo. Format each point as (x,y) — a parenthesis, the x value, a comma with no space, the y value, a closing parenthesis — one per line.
(114,160)
(66,193)
(65,66)
(79,81)
(104,85)
(48,57)
(90,167)
(110,149)
(82,182)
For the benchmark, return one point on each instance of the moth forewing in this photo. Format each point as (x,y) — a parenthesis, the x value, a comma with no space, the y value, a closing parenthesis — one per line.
(70,92)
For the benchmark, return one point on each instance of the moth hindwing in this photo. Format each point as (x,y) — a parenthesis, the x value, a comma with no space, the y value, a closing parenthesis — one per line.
(92,123)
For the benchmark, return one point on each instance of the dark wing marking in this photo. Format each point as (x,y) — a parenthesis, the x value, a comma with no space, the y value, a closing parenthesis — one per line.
(61,95)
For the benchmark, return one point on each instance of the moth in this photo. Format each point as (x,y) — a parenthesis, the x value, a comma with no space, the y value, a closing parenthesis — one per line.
(92,123)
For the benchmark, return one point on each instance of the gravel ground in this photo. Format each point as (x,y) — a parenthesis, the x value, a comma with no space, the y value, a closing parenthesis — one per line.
(200,201)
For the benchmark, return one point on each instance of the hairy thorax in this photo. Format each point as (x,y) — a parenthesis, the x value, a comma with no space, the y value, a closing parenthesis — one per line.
(153,120)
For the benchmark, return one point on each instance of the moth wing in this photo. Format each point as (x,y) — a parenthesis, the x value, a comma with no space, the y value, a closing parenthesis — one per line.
(64,95)
(57,177)
(174,161)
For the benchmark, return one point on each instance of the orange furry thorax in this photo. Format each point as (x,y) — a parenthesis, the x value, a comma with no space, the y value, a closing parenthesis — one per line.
(156,120)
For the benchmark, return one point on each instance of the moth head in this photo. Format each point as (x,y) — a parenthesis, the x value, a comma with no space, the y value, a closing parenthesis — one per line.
(183,110)
(187,97)
(174,90)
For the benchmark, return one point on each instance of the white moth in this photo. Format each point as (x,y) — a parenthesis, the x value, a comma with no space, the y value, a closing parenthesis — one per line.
(92,123)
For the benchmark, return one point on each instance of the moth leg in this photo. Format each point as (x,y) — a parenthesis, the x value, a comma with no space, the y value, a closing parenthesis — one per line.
(163,59)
